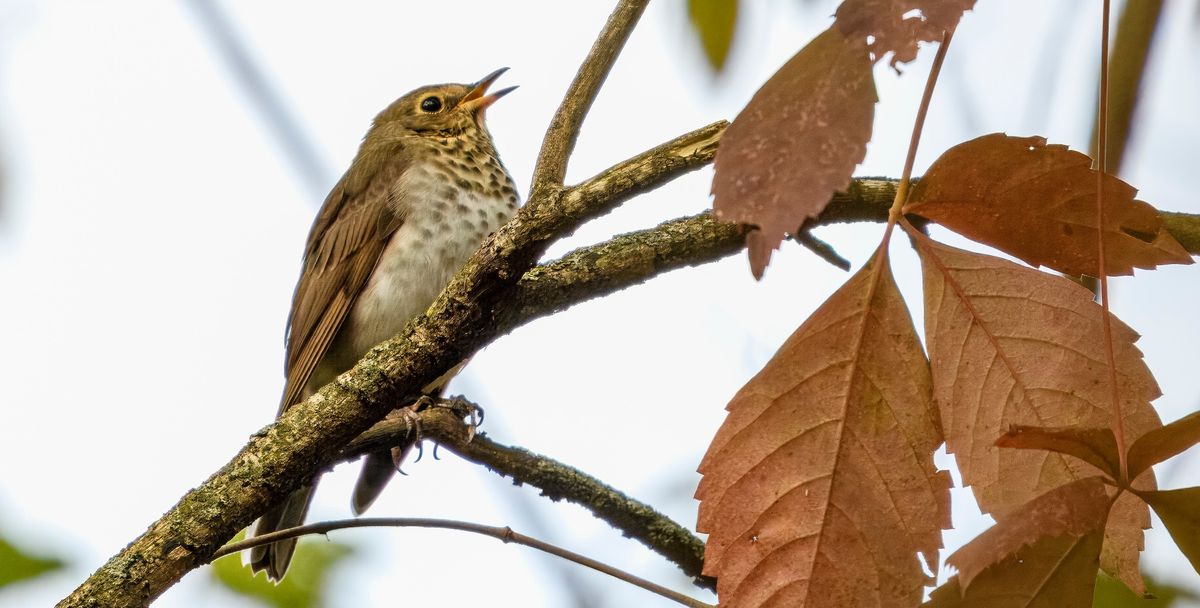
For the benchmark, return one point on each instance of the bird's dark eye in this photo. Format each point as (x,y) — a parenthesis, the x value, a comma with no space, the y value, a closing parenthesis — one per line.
(431,104)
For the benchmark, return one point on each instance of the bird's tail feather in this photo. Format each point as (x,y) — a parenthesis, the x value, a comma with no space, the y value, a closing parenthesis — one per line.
(275,557)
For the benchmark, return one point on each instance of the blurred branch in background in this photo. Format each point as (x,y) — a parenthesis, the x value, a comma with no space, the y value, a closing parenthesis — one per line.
(1130,54)
(292,137)
(1046,74)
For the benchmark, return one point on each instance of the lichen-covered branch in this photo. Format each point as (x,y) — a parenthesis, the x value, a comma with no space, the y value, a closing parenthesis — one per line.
(630,259)
(557,481)
(285,454)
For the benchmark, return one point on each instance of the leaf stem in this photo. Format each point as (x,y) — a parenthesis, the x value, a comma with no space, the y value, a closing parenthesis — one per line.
(894,213)
(1118,422)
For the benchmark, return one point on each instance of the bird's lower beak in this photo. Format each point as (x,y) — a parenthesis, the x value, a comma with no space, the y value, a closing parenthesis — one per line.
(476,101)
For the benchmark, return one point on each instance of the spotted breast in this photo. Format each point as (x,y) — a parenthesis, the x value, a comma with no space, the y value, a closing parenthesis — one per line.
(451,200)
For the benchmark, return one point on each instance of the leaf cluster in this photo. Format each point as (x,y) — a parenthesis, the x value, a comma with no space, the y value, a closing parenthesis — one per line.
(820,488)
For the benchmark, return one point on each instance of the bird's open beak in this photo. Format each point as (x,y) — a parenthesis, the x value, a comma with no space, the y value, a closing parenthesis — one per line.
(476,101)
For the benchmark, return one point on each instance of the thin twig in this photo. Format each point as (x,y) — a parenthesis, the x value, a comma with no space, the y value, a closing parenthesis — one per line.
(894,214)
(823,250)
(504,534)
(560,138)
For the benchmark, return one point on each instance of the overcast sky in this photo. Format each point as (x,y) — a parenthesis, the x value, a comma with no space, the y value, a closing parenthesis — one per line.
(152,225)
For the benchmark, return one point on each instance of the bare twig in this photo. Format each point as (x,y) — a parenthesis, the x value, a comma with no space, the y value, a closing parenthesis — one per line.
(823,250)
(551,166)
(504,534)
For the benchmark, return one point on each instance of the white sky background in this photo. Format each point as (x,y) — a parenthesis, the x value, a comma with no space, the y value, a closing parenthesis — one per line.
(152,233)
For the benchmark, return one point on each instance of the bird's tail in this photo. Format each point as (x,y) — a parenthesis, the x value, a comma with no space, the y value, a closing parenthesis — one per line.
(377,470)
(275,557)
(379,467)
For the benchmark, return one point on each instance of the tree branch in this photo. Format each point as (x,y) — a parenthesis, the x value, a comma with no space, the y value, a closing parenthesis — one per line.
(443,424)
(551,167)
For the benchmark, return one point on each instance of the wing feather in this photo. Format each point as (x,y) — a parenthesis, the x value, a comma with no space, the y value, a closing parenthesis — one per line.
(344,245)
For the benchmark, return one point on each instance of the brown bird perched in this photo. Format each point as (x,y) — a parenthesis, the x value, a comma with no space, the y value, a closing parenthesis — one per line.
(424,191)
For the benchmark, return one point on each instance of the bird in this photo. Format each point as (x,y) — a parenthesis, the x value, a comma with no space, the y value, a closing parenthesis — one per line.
(423,192)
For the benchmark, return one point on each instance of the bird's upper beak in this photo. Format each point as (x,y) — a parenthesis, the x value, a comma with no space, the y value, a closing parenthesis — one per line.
(476,101)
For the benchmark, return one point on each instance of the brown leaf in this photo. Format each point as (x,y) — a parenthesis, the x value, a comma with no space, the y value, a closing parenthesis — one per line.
(819,489)
(896,26)
(1095,446)
(1053,572)
(1010,345)
(1180,512)
(1162,443)
(1038,203)
(1071,510)
(796,143)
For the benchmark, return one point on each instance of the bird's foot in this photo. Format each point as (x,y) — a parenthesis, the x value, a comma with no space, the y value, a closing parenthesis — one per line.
(470,413)
(412,432)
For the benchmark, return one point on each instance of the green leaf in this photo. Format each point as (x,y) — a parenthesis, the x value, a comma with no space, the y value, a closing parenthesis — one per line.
(714,22)
(16,565)
(302,587)
(1112,593)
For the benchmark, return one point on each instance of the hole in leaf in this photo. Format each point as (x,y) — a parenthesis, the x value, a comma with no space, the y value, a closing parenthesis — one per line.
(1144,237)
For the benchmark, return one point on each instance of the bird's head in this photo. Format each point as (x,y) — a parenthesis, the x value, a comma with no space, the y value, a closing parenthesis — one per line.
(442,110)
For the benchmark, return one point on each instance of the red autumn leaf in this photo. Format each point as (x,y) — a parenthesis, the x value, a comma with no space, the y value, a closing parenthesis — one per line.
(1038,203)
(1162,443)
(1095,446)
(1180,512)
(1072,510)
(819,489)
(796,143)
(896,26)
(1010,345)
